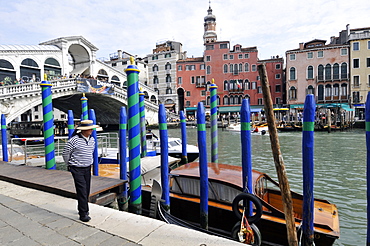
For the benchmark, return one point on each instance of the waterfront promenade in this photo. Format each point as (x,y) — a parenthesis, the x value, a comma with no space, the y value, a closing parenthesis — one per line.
(33,217)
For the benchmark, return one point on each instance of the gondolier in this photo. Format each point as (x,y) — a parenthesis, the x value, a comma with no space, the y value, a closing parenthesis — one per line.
(78,155)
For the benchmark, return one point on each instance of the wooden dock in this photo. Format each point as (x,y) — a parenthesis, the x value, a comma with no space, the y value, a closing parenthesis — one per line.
(103,190)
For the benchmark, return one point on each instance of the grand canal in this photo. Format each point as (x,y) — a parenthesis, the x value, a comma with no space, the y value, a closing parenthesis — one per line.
(340,169)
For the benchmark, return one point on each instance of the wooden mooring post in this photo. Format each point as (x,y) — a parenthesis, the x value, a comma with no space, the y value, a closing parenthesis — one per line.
(278,158)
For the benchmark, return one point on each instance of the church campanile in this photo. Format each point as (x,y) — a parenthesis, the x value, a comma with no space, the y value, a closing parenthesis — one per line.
(210,27)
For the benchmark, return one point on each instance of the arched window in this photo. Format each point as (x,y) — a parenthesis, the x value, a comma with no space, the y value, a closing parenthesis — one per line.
(102,72)
(52,61)
(240,68)
(320,93)
(292,73)
(29,62)
(208,69)
(310,72)
(168,78)
(292,93)
(226,85)
(247,85)
(155,68)
(226,100)
(236,69)
(167,66)
(168,91)
(343,91)
(231,101)
(208,100)
(310,90)
(336,71)
(155,80)
(6,64)
(328,72)
(153,99)
(225,68)
(231,68)
(336,91)
(114,78)
(343,71)
(246,67)
(320,72)
(328,92)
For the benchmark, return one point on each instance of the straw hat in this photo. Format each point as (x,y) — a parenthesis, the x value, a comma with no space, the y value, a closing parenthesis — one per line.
(87,125)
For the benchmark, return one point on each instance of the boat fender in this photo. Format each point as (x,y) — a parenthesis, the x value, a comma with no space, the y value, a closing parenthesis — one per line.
(246,197)
(256,233)
(263,132)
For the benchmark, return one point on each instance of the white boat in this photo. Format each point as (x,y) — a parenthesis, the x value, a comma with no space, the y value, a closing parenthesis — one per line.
(256,130)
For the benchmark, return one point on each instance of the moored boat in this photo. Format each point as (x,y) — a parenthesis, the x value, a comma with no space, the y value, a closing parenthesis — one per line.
(225,187)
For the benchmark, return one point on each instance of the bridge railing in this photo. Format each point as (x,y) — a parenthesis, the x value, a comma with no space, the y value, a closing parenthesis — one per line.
(11,91)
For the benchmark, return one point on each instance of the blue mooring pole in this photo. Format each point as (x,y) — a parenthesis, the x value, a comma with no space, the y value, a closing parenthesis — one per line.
(203,165)
(123,156)
(367,127)
(163,136)
(246,141)
(308,169)
(4,140)
(184,158)
(71,123)
(93,134)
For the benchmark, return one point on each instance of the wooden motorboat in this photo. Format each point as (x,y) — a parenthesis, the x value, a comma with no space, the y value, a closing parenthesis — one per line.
(225,186)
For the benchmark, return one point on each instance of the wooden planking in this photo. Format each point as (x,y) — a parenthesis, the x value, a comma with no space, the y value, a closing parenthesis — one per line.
(54,181)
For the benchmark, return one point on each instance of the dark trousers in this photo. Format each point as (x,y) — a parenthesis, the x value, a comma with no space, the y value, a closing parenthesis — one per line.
(82,179)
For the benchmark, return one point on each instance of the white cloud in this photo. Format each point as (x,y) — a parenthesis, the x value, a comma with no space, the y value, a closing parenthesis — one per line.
(136,26)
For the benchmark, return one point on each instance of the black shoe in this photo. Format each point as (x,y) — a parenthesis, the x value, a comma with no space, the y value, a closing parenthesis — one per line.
(85,218)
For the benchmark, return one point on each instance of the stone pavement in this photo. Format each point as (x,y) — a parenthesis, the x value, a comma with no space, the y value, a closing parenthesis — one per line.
(31,217)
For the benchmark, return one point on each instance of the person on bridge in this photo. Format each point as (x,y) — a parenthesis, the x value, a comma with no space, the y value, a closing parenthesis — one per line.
(78,155)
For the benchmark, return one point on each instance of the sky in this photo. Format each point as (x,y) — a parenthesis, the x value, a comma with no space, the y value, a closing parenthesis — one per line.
(274,26)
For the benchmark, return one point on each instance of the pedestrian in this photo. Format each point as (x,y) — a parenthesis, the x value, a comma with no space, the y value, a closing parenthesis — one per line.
(78,155)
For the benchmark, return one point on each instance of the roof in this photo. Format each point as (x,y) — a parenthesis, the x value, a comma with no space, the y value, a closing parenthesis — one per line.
(18,47)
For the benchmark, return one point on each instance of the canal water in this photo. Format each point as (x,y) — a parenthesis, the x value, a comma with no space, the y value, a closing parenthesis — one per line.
(340,169)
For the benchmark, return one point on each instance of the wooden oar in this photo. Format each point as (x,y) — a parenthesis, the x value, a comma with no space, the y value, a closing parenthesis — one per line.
(278,158)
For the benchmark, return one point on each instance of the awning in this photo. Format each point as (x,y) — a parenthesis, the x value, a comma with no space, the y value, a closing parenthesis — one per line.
(296,105)
(169,105)
(233,109)
(191,109)
(280,109)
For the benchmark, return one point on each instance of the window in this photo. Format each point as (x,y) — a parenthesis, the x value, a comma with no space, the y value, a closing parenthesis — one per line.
(336,90)
(231,68)
(328,92)
(246,67)
(203,93)
(277,88)
(320,54)
(187,68)
(202,66)
(240,67)
(343,71)
(236,72)
(247,85)
(187,104)
(356,63)
(277,100)
(168,78)
(277,66)
(179,68)
(259,89)
(254,67)
(336,71)
(356,96)
(292,57)
(320,94)
(155,68)
(292,93)
(208,69)
(356,46)
(223,46)
(208,58)
(356,81)
(320,72)
(292,74)
(226,85)
(225,68)
(368,45)
(155,80)
(277,76)
(343,90)
(231,57)
(179,80)
(328,72)
(155,57)
(260,101)
(168,91)
(225,56)
(210,47)
(240,56)
(167,66)
(310,90)
(309,55)
(188,93)
(344,52)
(254,85)
(368,62)
(368,80)
(310,72)
(246,56)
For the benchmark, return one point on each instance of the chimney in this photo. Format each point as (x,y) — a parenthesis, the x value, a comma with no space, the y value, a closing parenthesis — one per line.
(301,46)
(119,54)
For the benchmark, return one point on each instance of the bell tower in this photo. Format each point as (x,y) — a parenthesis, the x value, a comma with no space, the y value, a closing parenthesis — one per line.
(209,27)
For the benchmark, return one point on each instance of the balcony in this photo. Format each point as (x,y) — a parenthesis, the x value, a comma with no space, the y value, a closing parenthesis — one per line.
(236,91)
(200,84)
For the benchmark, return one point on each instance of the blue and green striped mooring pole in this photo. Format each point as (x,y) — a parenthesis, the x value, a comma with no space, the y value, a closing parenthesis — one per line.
(308,169)
(4,140)
(132,72)
(84,108)
(163,136)
(93,134)
(184,156)
(123,157)
(214,127)
(142,122)
(71,123)
(203,165)
(48,119)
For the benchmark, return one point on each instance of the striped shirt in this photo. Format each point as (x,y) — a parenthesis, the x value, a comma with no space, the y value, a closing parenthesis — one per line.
(79,151)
